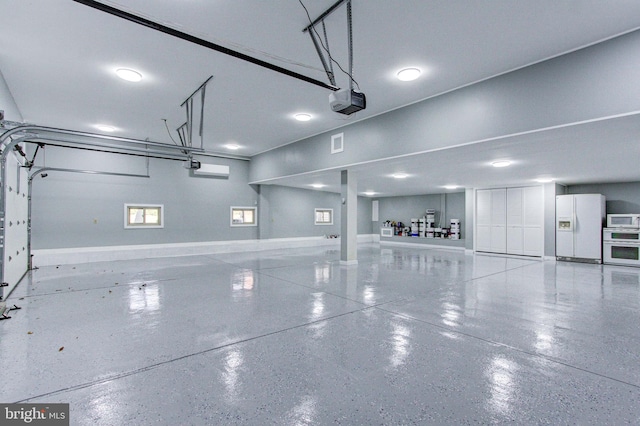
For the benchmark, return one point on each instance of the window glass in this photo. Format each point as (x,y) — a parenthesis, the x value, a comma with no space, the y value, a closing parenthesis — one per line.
(143,216)
(243,216)
(324,216)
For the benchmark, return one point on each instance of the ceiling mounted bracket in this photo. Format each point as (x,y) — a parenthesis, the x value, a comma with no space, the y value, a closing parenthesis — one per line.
(327,62)
(347,101)
(185,131)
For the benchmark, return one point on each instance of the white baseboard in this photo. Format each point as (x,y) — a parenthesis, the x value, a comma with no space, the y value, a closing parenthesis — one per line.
(419,246)
(67,256)
(510,256)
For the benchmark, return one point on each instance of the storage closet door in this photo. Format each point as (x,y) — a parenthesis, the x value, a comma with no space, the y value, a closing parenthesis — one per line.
(533,214)
(491,220)
(510,220)
(499,220)
(483,220)
(515,221)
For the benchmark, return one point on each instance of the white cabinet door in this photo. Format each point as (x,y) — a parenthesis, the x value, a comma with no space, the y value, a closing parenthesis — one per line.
(532,241)
(483,207)
(515,240)
(483,220)
(509,220)
(499,220)
(499,207)
(483,237)
(532,206)
(533,220)
(514,207)
(515,235)
(498,239)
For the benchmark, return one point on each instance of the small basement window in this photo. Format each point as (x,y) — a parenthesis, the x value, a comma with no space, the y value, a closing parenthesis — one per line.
(324,216)
(143,216)
(244,216)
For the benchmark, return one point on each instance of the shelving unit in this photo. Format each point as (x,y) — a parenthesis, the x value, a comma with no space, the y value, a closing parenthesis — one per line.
(421,216)
(440,242)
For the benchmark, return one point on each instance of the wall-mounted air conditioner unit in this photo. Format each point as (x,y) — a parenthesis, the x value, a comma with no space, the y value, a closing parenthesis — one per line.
(216,170)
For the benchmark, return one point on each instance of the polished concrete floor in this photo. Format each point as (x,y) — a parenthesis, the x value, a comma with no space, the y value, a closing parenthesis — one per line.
(290,337)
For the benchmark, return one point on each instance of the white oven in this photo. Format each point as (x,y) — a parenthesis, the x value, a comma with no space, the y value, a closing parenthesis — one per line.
(621,246)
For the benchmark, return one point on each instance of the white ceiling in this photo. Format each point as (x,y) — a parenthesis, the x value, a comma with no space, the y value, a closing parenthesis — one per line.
(58,58)
(585,153)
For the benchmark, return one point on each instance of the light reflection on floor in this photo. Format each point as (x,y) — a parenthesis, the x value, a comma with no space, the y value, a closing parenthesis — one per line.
(408,336)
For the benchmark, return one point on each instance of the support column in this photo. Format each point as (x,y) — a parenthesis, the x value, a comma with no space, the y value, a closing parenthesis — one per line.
(349,219)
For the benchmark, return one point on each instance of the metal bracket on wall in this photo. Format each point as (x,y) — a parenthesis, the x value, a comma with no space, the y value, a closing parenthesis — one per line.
(6,124)
(4,310)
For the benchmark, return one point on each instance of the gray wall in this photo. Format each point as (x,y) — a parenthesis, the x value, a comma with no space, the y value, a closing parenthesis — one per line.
(403,209)
(79,210)
(7,103)
(595,82)
(621,197)
(289,212)
(365,224)
(83,210)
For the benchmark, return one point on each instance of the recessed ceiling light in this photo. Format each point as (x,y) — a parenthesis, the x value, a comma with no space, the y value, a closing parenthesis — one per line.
(105,128)
(502,163)
(128,74)
(408,74)
(232,146)
(400,175)
(302,116)
(369,193)
(451,187)
(317,185)
(544,180)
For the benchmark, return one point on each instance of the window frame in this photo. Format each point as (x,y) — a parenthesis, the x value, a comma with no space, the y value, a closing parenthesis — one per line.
(315,216)
(128,225)
(243,208)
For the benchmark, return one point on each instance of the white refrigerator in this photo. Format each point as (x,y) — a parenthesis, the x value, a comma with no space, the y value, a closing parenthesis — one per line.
(579,221)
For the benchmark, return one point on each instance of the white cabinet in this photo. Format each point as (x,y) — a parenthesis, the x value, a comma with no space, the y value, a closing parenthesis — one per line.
(483,220)
(491,220)
(533,214)
(499,239)
(515,240)
(509,220)
(515,221)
